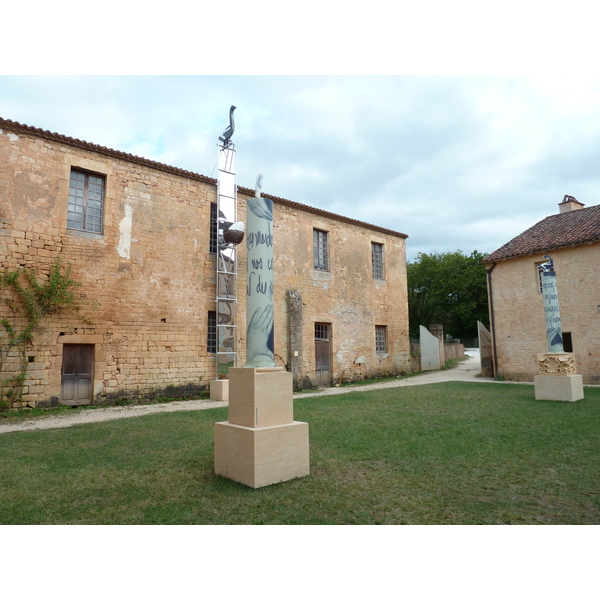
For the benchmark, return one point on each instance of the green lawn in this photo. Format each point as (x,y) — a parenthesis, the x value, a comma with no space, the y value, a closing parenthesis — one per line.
(451,453)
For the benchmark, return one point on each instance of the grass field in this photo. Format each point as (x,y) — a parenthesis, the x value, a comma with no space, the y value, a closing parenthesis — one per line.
(449,453)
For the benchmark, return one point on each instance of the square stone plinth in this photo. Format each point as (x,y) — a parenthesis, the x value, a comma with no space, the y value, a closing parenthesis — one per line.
(219,389)
(261,456)
(568,388)
(260,398)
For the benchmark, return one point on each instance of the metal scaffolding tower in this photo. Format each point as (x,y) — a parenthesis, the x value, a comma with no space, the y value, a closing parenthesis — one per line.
(226,300)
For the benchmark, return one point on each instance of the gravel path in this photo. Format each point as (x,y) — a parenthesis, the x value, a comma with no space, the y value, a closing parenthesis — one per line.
(465,371)
(107,414)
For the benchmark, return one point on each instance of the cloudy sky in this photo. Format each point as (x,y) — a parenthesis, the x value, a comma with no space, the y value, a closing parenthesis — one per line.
(473,124)
(455,162)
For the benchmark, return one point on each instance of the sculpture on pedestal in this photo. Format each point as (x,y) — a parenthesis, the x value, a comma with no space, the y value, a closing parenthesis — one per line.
(259,281)
(557,379)
(260,444)
(551,306)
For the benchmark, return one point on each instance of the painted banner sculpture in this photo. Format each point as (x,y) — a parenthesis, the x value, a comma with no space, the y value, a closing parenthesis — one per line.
(259,281)
(551,306)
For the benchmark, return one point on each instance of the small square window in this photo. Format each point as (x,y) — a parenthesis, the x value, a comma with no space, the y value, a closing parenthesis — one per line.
(380,338)
(321,252)
(86,202)
(377,260)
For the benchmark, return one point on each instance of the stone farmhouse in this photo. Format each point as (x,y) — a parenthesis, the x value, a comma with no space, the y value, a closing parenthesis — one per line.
(572,239)
(140,237)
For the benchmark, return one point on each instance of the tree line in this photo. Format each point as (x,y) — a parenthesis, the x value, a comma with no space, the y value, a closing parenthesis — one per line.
(448,288)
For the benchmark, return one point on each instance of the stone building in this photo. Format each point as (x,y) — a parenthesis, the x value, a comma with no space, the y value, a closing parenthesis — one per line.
(140,238)
(572,239)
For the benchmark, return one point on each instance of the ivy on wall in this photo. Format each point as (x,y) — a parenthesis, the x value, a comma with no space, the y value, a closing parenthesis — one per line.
(29,300)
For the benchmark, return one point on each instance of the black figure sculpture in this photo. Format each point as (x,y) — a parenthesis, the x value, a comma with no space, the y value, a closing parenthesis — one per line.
(226,135)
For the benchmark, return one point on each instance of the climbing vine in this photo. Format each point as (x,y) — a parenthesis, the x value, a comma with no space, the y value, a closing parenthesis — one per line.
(28,301)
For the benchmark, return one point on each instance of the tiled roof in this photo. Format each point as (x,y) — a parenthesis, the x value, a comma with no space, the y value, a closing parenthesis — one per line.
(557,231)
(63,139)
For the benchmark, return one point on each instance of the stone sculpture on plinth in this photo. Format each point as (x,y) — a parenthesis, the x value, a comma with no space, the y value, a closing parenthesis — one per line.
(557,379)
(261,444)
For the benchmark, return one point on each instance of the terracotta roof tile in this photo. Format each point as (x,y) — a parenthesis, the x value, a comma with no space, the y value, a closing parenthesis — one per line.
(557,231)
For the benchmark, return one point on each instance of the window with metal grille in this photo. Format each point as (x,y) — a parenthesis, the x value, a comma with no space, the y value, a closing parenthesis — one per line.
(380,338)
(321,331)
(211,338)
(377,260)
(213,228)
(320,250)
(86,202)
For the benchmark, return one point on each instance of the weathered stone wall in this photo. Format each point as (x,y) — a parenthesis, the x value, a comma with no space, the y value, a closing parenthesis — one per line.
(147,293)
(148,281)
(453,351)
(347,297)
(518,311)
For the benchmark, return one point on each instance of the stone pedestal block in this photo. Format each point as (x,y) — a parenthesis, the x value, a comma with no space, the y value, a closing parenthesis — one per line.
(261,444)
(219,389)
(568,388)
(260,397)
(261,456)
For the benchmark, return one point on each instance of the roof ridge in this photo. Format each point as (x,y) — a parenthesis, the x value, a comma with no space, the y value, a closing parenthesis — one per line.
(58,137)
(555,231)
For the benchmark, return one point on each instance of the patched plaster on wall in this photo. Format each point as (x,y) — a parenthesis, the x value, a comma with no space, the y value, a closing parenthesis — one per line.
(124,247)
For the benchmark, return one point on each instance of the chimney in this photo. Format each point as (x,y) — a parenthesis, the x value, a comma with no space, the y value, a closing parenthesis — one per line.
(569,203)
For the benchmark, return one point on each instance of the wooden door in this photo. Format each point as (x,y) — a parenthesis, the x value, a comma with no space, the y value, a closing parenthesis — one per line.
(77,374)
(322,354)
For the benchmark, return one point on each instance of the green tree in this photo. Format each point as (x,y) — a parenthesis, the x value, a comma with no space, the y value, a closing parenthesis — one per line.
(448,288)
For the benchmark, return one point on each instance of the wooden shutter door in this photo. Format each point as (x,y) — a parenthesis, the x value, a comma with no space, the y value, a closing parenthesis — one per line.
(77,374)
